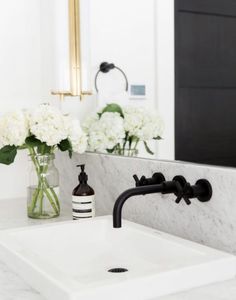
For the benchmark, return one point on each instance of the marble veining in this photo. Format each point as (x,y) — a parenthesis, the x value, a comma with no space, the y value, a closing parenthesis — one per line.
(212,223)
(13,287)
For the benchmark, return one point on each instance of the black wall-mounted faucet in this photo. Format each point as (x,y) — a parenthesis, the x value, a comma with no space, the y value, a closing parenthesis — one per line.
(202,190)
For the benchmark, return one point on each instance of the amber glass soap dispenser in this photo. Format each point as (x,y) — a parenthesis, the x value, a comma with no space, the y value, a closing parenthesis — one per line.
(83,204)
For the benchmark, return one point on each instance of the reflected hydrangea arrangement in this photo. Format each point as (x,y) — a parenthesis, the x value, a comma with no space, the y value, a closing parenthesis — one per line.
(119,130)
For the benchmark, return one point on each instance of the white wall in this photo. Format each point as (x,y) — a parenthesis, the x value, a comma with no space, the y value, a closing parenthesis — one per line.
(20,77)
(47,48)
(19,53)
(122,32)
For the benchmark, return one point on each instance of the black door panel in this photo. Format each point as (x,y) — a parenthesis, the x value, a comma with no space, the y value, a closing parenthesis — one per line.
(205,102)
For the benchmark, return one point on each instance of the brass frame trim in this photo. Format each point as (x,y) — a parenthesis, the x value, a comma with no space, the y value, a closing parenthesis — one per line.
(75,54)
(74,40)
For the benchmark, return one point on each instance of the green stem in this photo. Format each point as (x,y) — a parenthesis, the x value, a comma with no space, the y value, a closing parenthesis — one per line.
(55,198)
(125,142)
(51,201)
(40,196)
(136,144)
(37,191)
(54,195)
(43,187)
(34,200)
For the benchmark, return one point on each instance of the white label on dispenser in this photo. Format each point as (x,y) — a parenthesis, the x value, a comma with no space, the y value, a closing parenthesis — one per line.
(83,207)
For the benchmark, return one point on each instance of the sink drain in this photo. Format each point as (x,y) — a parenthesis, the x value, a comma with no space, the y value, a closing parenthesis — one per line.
(118,270)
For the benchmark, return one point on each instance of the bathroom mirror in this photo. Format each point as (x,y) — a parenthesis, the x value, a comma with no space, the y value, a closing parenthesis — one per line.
(179,58)
(172,62)
(138,39)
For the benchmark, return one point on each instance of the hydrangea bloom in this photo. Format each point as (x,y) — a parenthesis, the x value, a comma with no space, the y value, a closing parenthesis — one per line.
(13,128)
(90,123)
(77,137)
(48,124)
(142,123)
(106,132)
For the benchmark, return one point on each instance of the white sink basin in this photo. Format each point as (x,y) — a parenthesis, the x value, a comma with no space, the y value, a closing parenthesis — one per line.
(70,260)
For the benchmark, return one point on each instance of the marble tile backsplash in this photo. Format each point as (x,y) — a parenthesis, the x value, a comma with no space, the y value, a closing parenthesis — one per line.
(212,223)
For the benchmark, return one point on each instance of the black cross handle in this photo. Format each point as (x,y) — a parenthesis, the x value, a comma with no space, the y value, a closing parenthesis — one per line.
(202,190)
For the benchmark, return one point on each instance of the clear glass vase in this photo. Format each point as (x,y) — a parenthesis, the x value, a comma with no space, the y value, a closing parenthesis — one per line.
(127,152)
(131,152)
(43,190)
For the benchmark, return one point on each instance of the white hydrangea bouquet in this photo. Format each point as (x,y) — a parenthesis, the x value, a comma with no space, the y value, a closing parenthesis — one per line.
(119,130)
(41,131)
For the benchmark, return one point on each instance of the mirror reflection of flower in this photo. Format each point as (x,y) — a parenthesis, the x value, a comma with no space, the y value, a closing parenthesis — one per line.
(120,130)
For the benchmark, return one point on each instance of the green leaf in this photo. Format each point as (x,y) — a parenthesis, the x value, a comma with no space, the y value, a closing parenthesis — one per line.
(70,153)
(147,148)
(32,141)
(43,149)
(8,154)
(110,151)
(65,145)
(113,107)
(157,138)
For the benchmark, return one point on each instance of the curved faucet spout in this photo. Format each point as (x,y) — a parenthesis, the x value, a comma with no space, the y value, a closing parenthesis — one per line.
(141,190)
(202,190)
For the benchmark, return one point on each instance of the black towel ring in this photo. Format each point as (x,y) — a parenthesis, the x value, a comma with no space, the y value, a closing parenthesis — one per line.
(105,67)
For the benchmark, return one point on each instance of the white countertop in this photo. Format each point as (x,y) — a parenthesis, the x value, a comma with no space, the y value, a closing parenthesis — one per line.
(12,287)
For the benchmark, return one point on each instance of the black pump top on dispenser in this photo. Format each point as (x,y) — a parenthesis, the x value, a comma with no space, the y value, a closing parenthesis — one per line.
(83,177)
(83,189)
